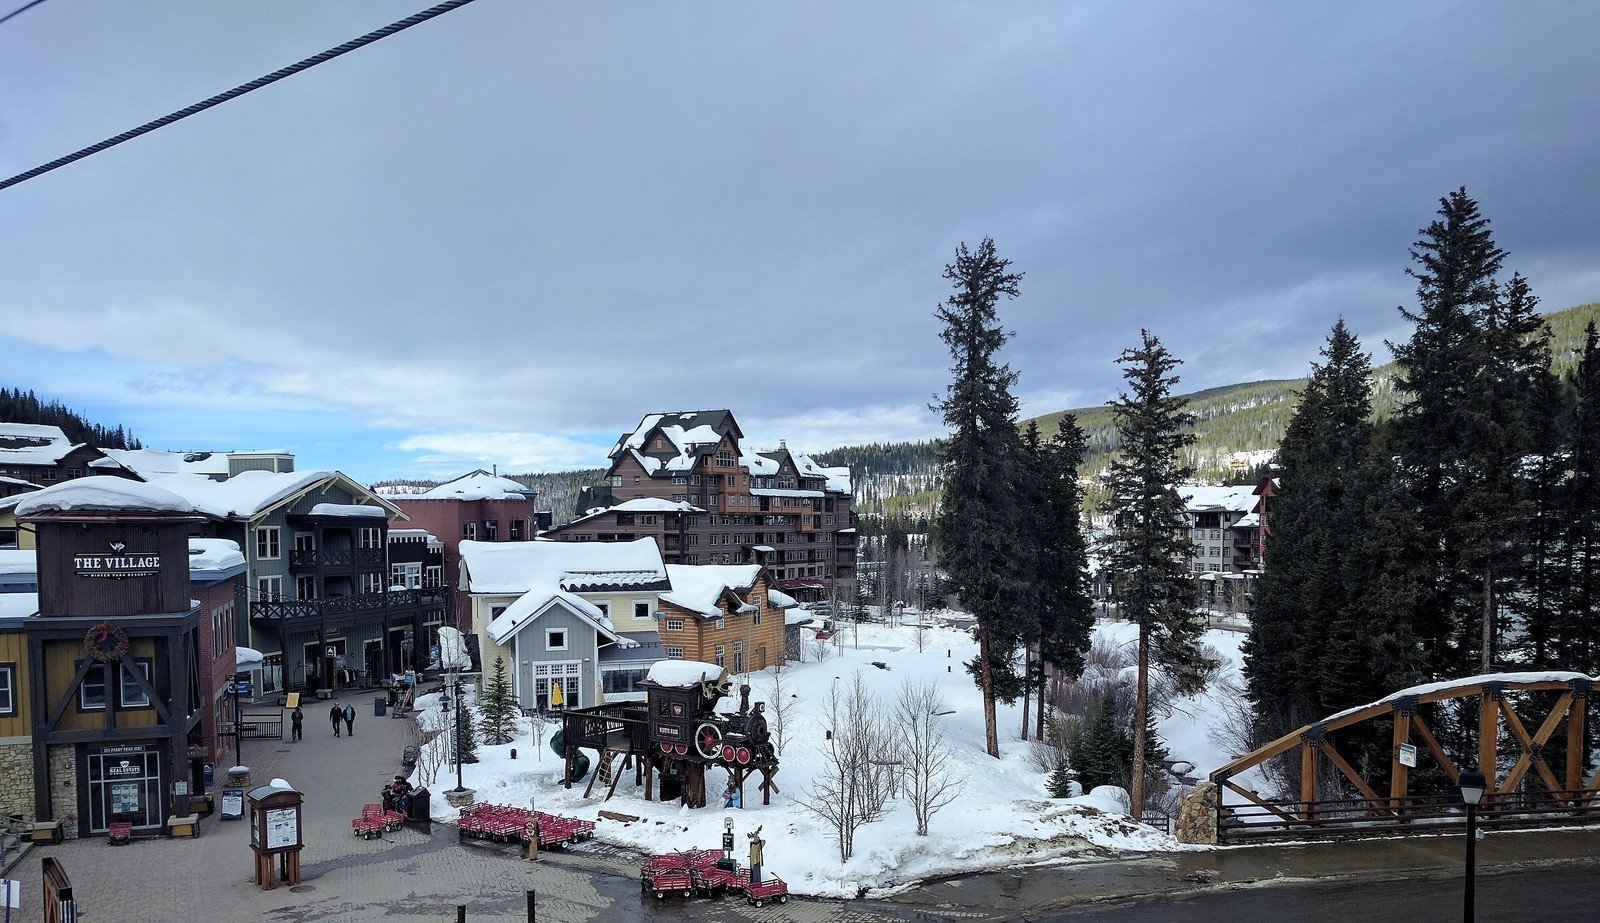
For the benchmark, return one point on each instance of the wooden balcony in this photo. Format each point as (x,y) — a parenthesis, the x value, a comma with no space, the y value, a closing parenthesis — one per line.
(348,559)
(348,609)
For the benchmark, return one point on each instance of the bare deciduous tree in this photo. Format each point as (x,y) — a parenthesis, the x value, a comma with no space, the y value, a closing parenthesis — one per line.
(930,780)
(857,775)
(780,705)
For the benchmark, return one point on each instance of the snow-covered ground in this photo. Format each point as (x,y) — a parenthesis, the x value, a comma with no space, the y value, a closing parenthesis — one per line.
(1003,817)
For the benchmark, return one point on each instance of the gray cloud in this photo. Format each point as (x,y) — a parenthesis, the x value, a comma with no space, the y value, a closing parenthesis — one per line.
(542,220)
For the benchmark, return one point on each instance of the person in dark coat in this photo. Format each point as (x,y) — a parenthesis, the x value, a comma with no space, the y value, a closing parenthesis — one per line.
(350,719)
(335,714)
(296,718)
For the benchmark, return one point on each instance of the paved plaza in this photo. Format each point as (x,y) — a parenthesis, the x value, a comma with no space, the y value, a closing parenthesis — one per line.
(407,875)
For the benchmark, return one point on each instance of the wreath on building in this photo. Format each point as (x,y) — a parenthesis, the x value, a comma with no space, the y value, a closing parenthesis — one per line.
(105,642)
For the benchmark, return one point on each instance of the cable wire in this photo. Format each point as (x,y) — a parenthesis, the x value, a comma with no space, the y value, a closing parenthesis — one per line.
(240,90)
(20,10)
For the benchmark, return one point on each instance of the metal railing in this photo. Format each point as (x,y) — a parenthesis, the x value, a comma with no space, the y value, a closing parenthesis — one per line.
(393,600)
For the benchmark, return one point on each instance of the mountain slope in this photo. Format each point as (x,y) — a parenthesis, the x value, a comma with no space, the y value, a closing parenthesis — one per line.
(1236,427)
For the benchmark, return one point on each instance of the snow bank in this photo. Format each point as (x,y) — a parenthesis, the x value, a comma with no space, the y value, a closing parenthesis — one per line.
(1003,817)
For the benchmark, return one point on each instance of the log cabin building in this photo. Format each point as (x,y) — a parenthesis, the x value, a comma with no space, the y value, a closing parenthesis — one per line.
(725,614)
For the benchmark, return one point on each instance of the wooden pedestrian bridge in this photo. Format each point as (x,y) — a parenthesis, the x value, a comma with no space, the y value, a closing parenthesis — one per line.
(1527,733)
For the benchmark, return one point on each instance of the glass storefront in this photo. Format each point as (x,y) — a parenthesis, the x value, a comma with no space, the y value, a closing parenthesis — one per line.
(124,784)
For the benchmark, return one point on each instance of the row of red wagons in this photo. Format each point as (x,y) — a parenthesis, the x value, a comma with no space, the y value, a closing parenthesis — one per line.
(507,824)
(374,820)
(700,871)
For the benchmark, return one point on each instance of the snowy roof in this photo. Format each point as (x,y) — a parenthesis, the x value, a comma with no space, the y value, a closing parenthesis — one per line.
(13,561)
(518,567)
(682,674)
(102,493)
(699,587)
(758,463)
(691,435)
(529,606)
(251,493)
(349,509)
(798,617)
(148,464)
(783,492)
(590,581)
(479,485)
(214,556)
(642,505)
(781,600)
(1250,520)
(18,605)
(33,444)
(762,548)
(1206,498)
(17,482)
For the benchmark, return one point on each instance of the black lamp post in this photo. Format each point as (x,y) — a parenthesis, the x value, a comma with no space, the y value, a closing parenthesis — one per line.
(1472,784)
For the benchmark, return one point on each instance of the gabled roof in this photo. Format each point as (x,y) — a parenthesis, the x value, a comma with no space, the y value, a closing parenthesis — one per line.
(103,493)
(33,444)
(641,505)
(692,434)
(252,493)
(534,603)
(148,464)
(1205,498)
(478,485)
(699,588)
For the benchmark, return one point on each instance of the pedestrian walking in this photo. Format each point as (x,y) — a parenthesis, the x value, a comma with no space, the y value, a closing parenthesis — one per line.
(350,719)
(335,714)
(296,718)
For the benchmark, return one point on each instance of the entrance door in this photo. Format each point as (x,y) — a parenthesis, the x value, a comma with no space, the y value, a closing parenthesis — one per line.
(320,666)
(372,662)
(124,784)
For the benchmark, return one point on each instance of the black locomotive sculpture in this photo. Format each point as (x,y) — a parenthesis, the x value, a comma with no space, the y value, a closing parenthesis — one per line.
(675,734)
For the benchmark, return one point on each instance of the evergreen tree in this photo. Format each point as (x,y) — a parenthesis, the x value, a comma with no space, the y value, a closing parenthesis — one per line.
(1576,639)
(1318,506)
(1100,751)
(980,516)
(466,736)
(498,706)
(1148,549)
(1061,563)
(1462,427)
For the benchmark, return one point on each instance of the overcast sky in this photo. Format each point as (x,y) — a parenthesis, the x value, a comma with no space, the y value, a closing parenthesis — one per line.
(504,235)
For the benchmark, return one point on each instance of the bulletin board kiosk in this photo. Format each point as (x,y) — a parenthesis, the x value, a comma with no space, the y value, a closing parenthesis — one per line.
(275,825)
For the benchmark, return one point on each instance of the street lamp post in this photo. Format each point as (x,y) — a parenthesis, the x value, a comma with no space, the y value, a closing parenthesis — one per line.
(238,722)
(1472,784)
(459,784)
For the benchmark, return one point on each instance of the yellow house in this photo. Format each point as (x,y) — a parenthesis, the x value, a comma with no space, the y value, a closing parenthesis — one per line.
(12,536)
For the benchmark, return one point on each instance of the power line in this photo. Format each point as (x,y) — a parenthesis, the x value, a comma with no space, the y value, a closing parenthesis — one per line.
(240,90)
(20,10)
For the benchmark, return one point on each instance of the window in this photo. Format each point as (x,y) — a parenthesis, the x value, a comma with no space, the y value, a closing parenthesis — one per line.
(636,480)
(372,583)
(674,624)
(622,681)
(719,658)
(433,576)
(1216,567)
(755,617)
(8,688)
(615,480)
(469,531)
(647,519)
(92,692)
(516,530)
(267,543)
(720,624)
(641,610)
(605,609)
(724,459)
(305,587)
(491,530)
(675,653)
(738,657)
(269,588)
(305,541)
(407,574)
(555,639)
(133,695)
(371,538)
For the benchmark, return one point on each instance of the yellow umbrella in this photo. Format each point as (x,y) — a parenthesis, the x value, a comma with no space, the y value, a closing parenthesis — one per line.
(556,696)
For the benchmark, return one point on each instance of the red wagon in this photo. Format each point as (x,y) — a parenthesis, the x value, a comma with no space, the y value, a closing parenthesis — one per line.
(770,888)
(663,881)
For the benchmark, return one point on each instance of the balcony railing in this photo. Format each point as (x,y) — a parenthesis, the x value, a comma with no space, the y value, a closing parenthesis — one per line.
(362,558)
(279,610)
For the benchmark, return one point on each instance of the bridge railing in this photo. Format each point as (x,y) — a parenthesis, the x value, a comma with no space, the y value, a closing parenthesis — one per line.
(1334,817)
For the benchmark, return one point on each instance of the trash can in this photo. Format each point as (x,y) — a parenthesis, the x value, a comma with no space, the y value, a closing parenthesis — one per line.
(380,705)
(419,809)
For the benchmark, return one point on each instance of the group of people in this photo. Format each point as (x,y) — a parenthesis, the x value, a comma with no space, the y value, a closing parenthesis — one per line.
(347,714)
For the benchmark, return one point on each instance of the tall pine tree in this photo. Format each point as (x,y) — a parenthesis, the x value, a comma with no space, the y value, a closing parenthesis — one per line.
(1147,550)
(983,458)
(1576,638)
(1065,603)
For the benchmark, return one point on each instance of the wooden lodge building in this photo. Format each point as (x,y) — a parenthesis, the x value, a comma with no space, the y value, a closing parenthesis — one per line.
(114,699)
(725,614)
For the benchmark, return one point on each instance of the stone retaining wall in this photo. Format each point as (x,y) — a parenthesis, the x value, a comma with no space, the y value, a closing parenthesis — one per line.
(16,780)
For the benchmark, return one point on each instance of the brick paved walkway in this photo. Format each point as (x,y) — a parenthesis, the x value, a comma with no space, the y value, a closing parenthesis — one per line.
(406,876)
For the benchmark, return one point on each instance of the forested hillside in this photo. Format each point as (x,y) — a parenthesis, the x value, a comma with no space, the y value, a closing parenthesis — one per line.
(19,406)
(1236,428)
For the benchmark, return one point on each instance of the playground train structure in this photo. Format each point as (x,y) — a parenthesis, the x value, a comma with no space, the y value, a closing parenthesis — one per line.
(670,738)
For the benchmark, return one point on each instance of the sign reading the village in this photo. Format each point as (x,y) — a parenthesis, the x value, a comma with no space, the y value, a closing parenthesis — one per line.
(119,562)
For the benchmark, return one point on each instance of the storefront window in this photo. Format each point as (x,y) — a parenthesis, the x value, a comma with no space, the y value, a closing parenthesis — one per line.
(124,785)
